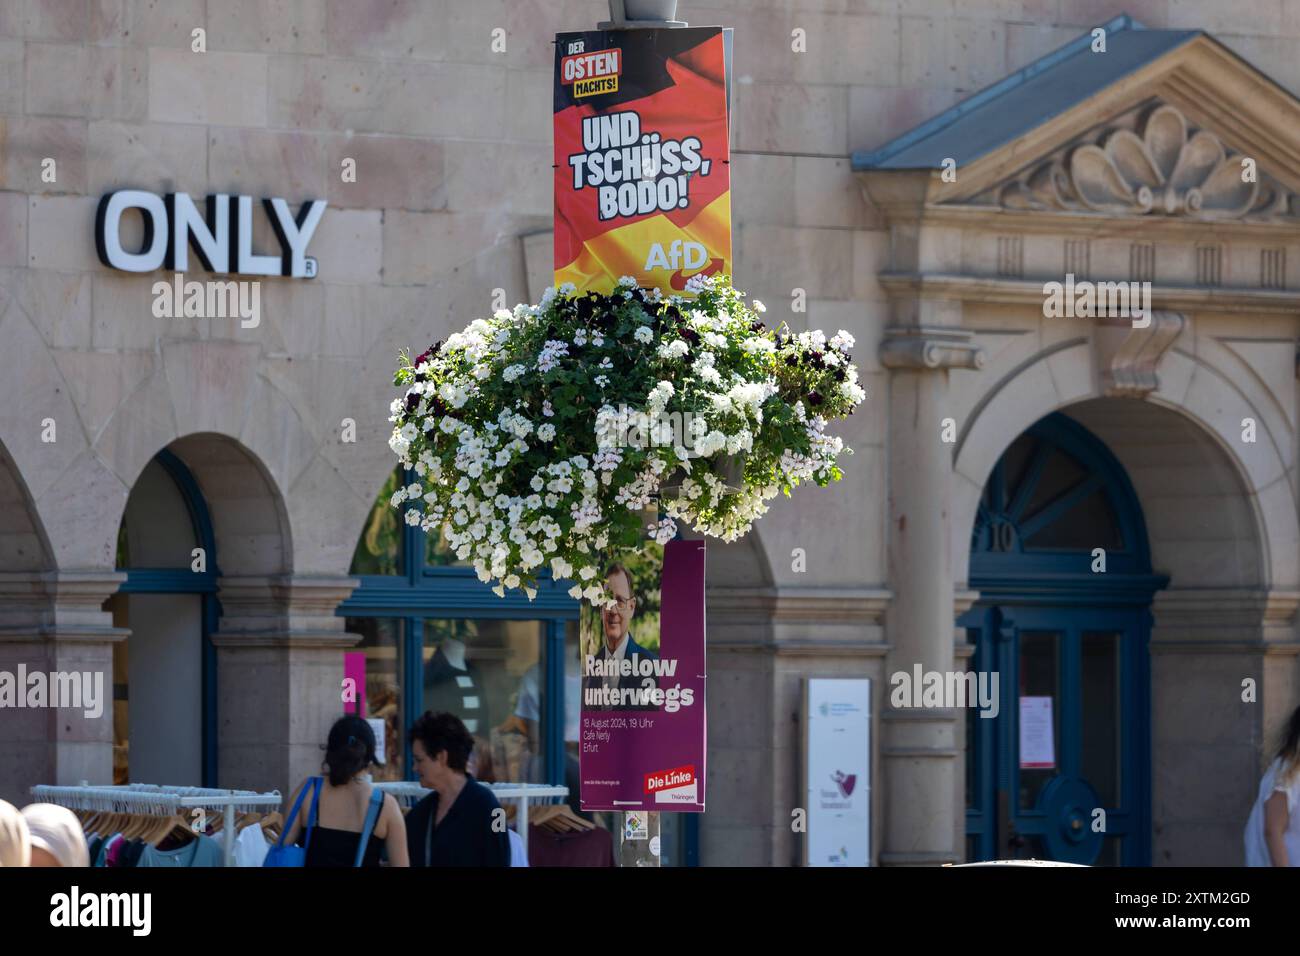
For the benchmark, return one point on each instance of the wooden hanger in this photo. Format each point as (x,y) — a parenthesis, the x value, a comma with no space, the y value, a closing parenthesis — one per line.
(559,819)
(273,824)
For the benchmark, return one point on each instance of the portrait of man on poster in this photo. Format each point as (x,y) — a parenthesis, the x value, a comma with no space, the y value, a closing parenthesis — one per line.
(616,646)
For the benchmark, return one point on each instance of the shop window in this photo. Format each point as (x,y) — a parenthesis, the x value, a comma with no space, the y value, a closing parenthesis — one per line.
(487,672)
(379,549)
(376,664)
(434,637)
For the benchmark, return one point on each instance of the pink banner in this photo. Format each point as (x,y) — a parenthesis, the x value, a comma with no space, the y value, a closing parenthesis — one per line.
(643,724)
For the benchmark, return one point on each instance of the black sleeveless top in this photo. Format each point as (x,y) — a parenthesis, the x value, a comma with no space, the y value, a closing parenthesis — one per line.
(331,847)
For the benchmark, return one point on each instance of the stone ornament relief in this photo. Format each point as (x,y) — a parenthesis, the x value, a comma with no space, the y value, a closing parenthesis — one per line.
(1150,162)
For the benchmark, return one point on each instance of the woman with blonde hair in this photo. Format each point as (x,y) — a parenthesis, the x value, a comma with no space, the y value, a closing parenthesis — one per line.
(1273,830)
(56,836)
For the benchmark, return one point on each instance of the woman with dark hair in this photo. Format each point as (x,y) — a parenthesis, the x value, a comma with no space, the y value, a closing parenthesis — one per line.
(338,814)
(460,823)
(1273,830)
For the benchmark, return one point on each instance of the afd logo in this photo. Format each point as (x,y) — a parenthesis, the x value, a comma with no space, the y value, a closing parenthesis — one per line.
(683,257)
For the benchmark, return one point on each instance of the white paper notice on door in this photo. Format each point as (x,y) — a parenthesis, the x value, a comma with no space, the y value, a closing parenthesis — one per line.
(1037,741)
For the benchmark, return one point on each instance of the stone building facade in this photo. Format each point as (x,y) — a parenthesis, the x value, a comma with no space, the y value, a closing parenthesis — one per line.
(941,280)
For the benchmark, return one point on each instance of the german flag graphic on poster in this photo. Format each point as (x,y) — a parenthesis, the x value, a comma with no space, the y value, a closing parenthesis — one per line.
(642,166)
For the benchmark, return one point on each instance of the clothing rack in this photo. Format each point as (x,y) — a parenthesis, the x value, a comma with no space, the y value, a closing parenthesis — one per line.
(408,793)
(152,798)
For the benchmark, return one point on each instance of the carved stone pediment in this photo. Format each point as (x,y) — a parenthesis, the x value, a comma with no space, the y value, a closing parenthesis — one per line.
(1148,162)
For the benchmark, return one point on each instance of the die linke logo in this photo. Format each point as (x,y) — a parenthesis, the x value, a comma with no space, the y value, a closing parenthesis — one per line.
(669,779)
(591,73)
(221,236)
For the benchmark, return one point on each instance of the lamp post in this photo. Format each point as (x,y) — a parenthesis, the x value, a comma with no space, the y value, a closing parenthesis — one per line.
(642,15)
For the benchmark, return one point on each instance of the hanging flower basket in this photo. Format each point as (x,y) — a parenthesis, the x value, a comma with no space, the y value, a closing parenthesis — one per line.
(539,436)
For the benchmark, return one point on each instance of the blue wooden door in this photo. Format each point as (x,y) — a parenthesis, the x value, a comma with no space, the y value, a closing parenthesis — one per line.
(1060,558)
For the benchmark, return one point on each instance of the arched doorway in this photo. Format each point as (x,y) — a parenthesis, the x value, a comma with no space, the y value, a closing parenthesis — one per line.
(164,674)
(1060,557)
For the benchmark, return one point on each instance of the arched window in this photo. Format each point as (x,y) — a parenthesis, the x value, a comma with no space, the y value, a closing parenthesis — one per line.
(164,674)
(434,637)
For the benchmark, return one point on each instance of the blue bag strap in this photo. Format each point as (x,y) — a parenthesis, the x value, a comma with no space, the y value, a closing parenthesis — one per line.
(318,783)
(372,815)
(297,805)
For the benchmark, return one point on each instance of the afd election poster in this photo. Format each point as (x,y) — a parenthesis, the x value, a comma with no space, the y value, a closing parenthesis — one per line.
(642,661)
(642,174)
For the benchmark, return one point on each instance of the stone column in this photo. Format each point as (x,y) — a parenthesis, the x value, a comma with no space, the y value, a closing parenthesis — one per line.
(279,677)
(52,622)
(920,746)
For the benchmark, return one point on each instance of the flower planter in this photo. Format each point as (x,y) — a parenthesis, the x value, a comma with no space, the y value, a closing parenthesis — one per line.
(536,435)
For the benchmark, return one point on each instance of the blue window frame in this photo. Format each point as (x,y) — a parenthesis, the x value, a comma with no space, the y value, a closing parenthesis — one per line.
(1051,625)
(419,586)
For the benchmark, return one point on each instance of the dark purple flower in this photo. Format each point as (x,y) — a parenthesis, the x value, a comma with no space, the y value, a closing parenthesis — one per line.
(412,402)
(792,360)
(814,398)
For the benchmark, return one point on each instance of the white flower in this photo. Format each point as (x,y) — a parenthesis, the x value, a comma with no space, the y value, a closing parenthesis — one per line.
(664,532)
(841,340)
(627,282)
(644,334)
(575,592)
(549,357)
(567,289)
(547,410)
(512,372)
(673,350)
(759,306)
(538,483)
(698,283)
(580,337)
(546,432)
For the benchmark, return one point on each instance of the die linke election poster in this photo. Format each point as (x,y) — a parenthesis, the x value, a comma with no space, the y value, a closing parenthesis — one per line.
(642,662)
(642,175)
